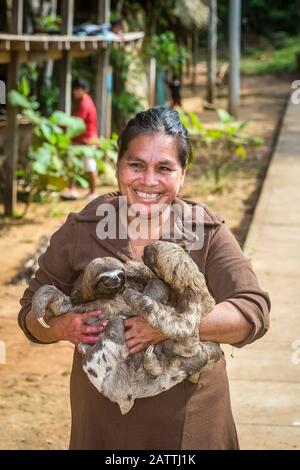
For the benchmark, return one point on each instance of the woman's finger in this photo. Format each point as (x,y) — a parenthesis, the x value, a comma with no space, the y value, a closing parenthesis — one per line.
(129,322)
(137,348)
(133,342)
(88,330)
(129,334)
(94,313)
(91,339)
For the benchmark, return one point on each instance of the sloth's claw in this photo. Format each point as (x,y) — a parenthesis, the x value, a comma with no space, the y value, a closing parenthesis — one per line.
(42,322)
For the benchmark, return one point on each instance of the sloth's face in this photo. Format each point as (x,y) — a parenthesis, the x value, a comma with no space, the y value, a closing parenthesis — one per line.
(109,282)
(104,277)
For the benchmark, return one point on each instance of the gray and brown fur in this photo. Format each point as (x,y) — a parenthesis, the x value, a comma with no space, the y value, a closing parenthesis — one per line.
(189,300)
(108,364)
(122,378)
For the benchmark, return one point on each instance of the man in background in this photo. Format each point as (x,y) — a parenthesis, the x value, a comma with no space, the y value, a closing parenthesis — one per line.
(86,110)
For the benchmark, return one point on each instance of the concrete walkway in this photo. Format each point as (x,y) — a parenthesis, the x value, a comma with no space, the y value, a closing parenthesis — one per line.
(265,376)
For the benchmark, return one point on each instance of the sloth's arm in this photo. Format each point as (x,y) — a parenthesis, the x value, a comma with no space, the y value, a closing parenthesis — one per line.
(49,301)
(157,290)
(165,319)
(138,272)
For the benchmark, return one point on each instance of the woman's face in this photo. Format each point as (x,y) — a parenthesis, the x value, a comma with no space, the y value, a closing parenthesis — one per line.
(150,172)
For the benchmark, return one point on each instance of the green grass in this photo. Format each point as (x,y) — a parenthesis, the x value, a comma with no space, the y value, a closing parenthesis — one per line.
(272,60)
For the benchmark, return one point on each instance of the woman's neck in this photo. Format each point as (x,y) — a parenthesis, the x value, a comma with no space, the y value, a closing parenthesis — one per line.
(144,231)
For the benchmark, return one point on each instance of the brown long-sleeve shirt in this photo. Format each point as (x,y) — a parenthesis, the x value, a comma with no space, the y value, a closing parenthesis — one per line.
(187,416)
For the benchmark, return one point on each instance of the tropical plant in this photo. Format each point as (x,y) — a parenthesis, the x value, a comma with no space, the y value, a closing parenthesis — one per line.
(222,143)
(164,48)
(48,23)
(125,104)
(53,159)
(44,88)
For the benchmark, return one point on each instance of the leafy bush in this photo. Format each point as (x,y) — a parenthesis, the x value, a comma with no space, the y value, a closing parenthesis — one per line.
(45,89)
(47,23)
(274,59)
(126,104)
(219,144)
(53,159)
(166,51)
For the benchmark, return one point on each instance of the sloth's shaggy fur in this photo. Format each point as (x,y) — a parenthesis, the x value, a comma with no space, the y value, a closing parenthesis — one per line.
(169,291)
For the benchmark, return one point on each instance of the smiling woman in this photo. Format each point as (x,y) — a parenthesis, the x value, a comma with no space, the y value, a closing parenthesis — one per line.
(154,150)
(150,170)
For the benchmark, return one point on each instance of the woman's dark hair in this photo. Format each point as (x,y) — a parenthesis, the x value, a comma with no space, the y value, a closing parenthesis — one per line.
(158,120)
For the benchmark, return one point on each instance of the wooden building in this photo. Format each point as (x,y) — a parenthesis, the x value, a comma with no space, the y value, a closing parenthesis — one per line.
(17,48)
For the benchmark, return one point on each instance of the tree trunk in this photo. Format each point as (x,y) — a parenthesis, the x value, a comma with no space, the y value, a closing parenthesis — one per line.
(234,46)
(212,52)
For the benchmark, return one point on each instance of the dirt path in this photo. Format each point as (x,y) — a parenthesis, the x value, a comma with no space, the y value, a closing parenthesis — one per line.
(34,399)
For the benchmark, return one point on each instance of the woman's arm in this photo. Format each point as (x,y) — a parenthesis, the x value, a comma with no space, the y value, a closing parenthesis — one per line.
(239,298)
(225,324)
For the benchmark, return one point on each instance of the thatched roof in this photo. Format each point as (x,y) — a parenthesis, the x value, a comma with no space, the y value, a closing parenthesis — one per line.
(192,13)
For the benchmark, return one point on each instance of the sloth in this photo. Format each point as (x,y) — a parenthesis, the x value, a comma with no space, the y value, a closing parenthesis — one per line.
(169,291)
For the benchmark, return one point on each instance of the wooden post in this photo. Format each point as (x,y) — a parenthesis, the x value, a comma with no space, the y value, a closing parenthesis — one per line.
(109,100)
(102,67)
(17,17)
(50,63)
(189,45)
(103,11)
(152,81)
(195,56)
(234,51)
(11,146)
(212,52)
(65,98)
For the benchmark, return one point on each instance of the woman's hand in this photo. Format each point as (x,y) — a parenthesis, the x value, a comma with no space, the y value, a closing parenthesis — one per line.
(139,334)
(71,327)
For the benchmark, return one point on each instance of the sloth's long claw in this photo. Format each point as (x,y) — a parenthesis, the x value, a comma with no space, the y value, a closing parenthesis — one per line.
(42,322)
